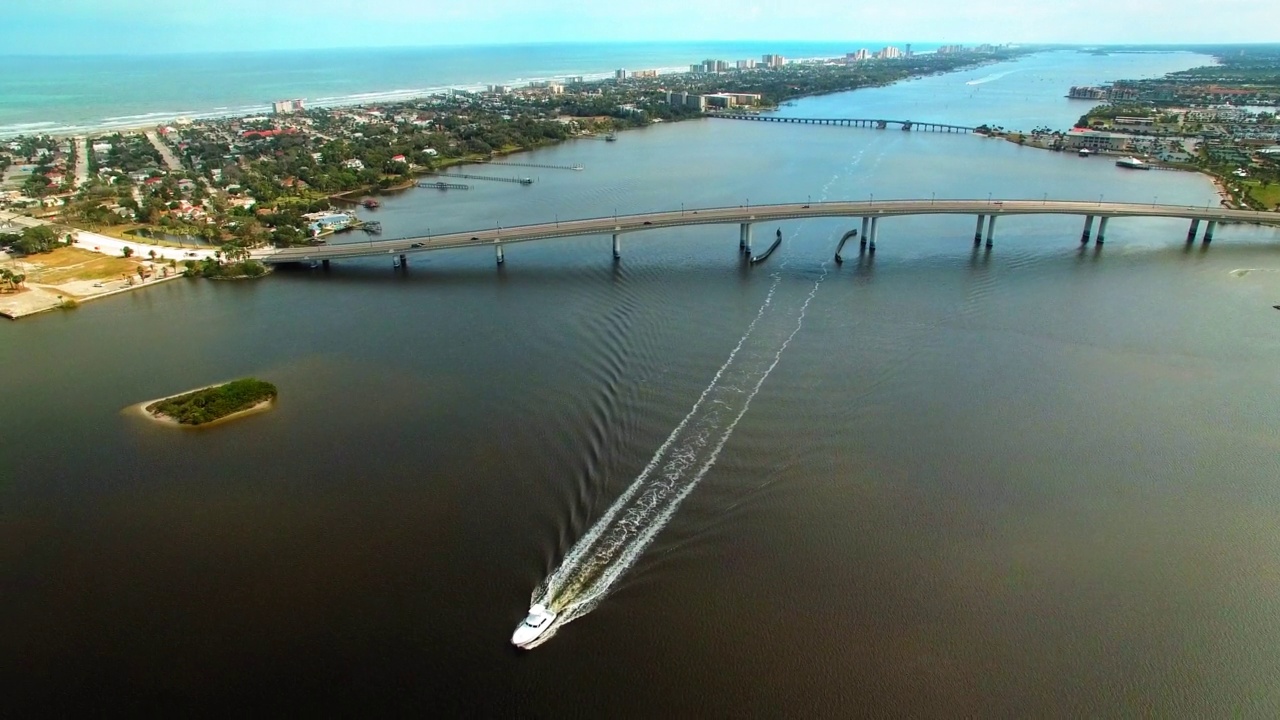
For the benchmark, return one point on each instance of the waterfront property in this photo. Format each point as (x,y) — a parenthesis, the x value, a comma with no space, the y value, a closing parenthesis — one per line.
(745,216)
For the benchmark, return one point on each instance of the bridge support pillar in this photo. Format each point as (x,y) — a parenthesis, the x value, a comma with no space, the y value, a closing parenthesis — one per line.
(1102,230)
(1088,229)
(404,262)
(617,247)
(977,231)
(866,221)
(497,252)
(991,230)
(744,238)
(1191,231)
(875,233)
(325,263)
(1208,231)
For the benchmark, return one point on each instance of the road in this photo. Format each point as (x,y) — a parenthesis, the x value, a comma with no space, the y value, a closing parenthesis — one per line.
(170,160)
(758,214)
(86,240)
(82,161)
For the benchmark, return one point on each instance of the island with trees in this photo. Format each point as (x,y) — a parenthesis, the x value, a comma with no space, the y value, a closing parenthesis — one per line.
(212,404)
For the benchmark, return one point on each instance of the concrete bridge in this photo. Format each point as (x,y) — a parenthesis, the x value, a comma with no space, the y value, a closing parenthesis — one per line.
(876,123)
(745,216)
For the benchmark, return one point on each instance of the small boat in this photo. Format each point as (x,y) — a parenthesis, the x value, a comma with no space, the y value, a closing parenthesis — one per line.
(1085,152)
(610,138)
(540,620)
(1132,163)
(371,204)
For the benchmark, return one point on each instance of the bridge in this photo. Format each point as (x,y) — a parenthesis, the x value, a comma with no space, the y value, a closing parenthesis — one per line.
(876,123)
(745,216)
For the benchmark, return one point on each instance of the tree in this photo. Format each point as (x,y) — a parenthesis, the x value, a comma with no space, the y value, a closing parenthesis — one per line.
(127,251)
(38,239)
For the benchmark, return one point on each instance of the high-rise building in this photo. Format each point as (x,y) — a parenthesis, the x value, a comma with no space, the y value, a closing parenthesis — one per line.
(890,53)
(773,61)
(287,107)
(908,50)
(620,74)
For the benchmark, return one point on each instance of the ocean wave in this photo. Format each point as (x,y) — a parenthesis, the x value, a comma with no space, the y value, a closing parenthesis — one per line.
(121,122)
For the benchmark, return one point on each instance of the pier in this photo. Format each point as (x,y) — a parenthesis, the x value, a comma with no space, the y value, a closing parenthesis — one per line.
(545,166)
(443,186)
(491,178)
(870,213)
(874,123)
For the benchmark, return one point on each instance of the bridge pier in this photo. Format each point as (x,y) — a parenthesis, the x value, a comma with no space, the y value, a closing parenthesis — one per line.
(1102,230)
(404,262)
(977,231)
(617,247)
(991,230)
(497,251)
(1208,231)
(325,263)
(744,238)
(1088,230)
(865,223)
(875,233)
(1191,231)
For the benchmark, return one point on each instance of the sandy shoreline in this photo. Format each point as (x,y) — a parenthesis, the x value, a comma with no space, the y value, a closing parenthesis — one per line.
(261,406)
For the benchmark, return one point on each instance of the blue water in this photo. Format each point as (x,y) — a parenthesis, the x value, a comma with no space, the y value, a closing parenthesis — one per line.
(69,94)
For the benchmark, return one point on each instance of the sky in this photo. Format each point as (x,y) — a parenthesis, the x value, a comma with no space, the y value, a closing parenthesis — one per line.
(77,27)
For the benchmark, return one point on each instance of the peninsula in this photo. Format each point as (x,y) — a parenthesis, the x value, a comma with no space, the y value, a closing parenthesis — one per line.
(213,404)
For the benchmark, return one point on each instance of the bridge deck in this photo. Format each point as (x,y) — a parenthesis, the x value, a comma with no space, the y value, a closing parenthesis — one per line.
(756,214)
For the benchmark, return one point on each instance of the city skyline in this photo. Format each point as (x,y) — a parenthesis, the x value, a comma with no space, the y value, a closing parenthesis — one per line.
(78,27)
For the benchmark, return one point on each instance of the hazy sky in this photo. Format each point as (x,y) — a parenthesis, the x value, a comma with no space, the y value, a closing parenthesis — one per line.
(86,26)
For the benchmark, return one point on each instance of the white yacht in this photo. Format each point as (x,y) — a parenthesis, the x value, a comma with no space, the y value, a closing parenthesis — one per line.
(1132,163)
(540,620)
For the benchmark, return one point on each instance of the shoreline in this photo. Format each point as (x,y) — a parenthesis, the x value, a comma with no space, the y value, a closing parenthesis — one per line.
(71,129)
(161,418)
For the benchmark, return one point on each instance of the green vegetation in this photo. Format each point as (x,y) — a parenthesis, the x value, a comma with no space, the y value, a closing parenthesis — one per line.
(229,262)
(11,281)
(209,404)
(32,240)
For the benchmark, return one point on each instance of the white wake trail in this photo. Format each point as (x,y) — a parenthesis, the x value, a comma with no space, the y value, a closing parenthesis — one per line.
(614,543)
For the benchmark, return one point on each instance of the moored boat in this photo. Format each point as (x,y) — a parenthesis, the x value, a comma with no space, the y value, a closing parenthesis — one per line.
(1132,163)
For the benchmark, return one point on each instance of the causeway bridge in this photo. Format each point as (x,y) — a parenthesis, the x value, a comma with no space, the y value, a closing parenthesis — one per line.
(868,212)
(877,123)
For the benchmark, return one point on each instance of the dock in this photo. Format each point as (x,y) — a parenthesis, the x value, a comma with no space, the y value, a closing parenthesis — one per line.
(492,178)
(575,166)
(443,186)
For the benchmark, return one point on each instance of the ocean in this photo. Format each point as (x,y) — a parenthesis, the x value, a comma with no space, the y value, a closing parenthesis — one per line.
(68,95)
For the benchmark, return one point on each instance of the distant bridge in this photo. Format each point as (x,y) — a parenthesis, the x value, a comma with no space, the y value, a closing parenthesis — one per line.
(877,123)
(987,212)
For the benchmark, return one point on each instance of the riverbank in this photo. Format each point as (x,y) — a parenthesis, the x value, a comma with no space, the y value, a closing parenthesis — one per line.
(69,276)
(1227,198)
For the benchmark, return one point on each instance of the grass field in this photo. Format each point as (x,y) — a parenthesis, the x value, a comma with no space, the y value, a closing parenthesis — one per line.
(69,263)
(1269,196)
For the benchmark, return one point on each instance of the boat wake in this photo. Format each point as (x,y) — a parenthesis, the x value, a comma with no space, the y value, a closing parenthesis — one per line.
(620,536)
(990,78)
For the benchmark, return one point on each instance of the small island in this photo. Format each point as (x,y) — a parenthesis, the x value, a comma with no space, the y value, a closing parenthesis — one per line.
(211,404)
